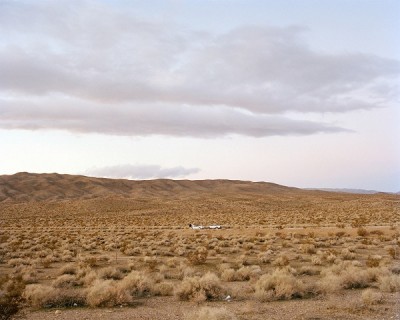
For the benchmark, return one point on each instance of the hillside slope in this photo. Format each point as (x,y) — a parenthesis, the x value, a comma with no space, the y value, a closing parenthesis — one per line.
(37,187)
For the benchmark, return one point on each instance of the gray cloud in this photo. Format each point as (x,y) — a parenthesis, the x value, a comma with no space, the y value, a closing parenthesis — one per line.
(160,119)
(129,171)
(89,67)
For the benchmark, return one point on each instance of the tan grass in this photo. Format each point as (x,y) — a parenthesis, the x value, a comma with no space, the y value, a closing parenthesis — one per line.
(208,313)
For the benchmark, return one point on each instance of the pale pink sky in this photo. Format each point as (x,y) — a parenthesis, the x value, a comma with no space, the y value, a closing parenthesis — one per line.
(301,93)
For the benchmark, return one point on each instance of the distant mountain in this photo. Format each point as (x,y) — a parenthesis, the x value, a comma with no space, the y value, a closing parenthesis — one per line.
(356,191)
(36,187)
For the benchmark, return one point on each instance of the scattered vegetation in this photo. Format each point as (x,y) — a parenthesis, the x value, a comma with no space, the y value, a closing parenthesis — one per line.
(114,252)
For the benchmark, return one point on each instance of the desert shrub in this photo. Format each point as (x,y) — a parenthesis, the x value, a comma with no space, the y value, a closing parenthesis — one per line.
(199,256)
(353,278)
(308,270)
(208,287)
(373,261)
(29,275)
(377,232)
(42,296)
(370,297)
(389,283)
(172,262)
(346,254)
(137,284)
(265,257)
(185,271)
(87,277)
(281,261)
(17,261)
(347,276)
(10,296)
(65,281)
(308,248)
(207,313)
(362,232)
(69,269)
(280,285)
(106,293)
(46,261)
(111,273)
(317,261)
(244,259)
(395,269)
(245,273)
(392,251)
(89,261)
(330,257)
(228,275)
(151,263)
(8,306)
(163,289)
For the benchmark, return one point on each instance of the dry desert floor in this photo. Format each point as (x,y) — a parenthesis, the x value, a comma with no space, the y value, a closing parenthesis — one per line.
(281,254)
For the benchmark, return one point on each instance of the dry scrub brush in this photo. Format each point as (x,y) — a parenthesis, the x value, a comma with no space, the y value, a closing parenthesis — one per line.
(43,296)
(10,296)
(106,293)
(370,297)
(281,285)
(208,287)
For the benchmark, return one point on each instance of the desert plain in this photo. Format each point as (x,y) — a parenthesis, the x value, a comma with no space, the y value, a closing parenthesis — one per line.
(75,247)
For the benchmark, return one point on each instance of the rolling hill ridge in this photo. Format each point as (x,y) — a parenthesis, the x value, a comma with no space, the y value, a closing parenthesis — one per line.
(25,186)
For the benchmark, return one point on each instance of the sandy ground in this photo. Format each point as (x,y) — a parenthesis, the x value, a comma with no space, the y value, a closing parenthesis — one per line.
(346,305)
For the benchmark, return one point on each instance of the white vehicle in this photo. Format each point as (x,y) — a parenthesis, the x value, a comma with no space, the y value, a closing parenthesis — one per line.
(194,227)
(213,226)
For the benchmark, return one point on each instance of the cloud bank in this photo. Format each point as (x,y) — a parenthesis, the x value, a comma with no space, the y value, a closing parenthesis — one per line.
(129,171)
(87,66)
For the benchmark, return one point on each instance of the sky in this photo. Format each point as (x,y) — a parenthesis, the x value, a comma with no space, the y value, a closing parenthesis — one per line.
(302,93)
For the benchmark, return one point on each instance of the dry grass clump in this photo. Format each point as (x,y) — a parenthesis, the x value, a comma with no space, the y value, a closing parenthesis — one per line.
(208,287)
(137,284)
(163,289)
(373,261)
(370,297)
(245,273)
(346,254)
(393,252)
(10,296)
(281,261)
(42,296)
(308,248)
(308,270)
(66,281)
(29,275)
(389,283)
(348,276)
(265,257)
(208,313)
(317,260)
(280,285)
(69,269)
(198,256)
(228,274)
(111,273)
(106,293)
(362,232)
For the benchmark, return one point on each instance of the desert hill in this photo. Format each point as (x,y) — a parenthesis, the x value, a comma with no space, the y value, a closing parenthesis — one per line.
(25,186)
(179,202)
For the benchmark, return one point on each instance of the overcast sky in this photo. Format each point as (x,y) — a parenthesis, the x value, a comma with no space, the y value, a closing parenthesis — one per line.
(303,93)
